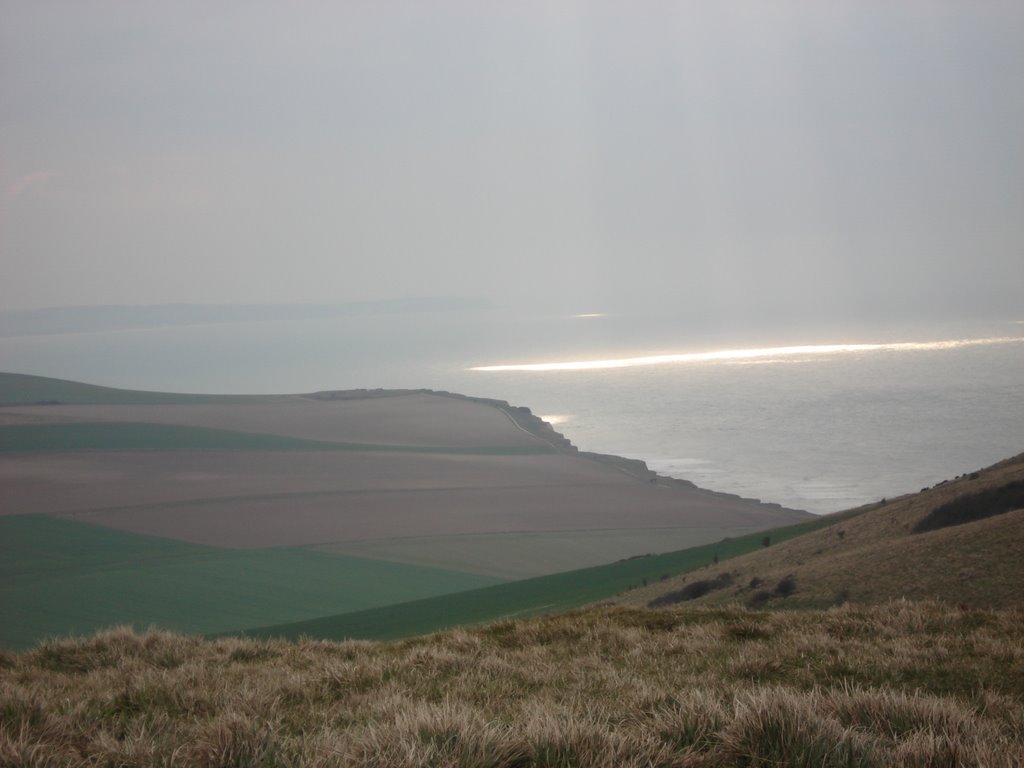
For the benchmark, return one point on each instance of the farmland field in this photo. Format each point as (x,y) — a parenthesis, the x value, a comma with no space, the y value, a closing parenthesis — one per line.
(293,498)
(521,555)
(544,594)
(62,577)
(141,436)
(209,514)
(413,419)
(19,388)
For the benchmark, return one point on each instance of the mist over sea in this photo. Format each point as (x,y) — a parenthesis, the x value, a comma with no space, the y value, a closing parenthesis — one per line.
(812,429)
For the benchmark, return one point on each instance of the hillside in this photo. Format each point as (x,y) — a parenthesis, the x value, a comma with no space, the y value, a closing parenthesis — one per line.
(24,389)
(959,542)
(213,513)
(869,679)
(526,597)
(622,688)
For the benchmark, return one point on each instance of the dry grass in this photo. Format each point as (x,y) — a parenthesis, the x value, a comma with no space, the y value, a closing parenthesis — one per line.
(913,684)
(872,555)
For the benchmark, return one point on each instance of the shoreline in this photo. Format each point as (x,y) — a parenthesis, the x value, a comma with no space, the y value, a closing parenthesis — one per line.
(524,418)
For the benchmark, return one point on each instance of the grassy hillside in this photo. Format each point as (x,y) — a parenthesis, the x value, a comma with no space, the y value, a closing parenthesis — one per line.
(972,558)
(897,685)
(544,594)
(23,389)
(60,577)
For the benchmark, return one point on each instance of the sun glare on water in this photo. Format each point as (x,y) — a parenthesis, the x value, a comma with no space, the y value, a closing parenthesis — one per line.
(762,354)
(554,418)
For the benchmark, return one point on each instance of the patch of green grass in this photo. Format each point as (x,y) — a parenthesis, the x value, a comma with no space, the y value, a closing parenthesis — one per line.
(60,577)
(36,547)
(544,594)
(136,436)
(23,389)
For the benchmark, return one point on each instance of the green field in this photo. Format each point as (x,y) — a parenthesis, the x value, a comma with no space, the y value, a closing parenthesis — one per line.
(22,389)
(137,436)
(543,594)
(60,577)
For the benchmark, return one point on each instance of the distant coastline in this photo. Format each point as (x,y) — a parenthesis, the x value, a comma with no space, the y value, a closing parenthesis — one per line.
(829,433)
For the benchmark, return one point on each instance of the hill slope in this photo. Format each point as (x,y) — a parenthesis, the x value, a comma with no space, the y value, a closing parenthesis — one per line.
(60,577)
(25,389)
(880,553)
(543,594)
(333,496)
(595,689)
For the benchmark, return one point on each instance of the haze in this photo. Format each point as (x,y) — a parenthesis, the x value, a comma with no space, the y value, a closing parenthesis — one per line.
(736,159)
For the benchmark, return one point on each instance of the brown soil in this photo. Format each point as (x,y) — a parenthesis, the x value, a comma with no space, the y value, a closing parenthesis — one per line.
(291,498)
(419,419)
(260,499)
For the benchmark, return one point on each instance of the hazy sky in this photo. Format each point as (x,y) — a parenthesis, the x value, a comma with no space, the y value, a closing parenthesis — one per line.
(811,157)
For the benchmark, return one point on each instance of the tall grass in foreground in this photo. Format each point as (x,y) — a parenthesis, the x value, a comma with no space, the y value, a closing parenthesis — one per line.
(902,684)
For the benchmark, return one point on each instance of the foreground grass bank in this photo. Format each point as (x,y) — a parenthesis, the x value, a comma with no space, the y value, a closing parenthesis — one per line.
(910,684)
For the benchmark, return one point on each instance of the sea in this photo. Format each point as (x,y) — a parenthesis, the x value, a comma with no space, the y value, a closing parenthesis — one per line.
(813,416)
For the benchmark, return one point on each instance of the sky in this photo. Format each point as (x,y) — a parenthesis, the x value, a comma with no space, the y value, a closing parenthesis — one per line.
(737,158)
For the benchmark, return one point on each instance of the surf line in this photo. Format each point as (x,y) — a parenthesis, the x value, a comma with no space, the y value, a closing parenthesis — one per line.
(726,355)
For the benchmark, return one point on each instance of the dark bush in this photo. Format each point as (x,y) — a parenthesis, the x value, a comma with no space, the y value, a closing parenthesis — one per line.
(975,506)
(692,591)
(786,586)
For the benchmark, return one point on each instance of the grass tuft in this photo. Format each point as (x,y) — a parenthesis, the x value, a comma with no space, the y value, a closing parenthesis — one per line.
(898,684)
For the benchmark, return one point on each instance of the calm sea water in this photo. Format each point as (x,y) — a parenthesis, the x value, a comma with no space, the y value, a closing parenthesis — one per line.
(811,429)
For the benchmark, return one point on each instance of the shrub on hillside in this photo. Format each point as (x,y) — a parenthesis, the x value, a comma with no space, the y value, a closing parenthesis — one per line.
(692,591)
(975,506)
(786,586)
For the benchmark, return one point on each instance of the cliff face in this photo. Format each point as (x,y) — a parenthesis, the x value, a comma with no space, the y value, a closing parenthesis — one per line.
(634,467)
(520,415)
(524,418)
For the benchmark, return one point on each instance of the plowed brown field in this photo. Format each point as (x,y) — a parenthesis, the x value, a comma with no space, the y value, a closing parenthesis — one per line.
(419,419)
(276,498)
